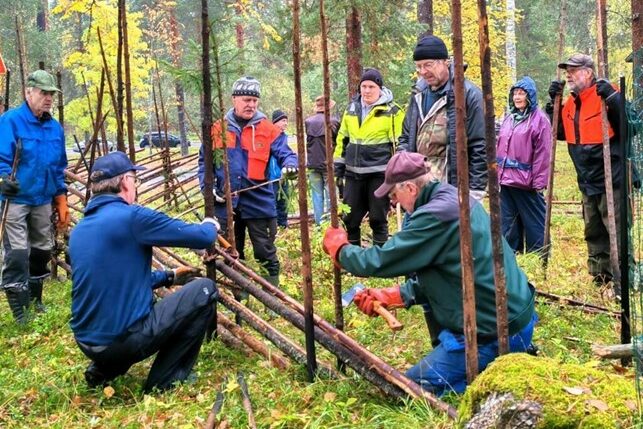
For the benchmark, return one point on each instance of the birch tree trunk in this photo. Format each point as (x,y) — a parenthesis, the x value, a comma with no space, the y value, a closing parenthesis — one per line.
(510,43)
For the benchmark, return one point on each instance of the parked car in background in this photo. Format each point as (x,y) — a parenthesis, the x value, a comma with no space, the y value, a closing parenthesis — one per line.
(111,146)
(158,140)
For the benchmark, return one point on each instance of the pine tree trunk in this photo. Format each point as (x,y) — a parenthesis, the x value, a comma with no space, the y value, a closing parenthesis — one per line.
(128,88)
(42,18)
(637,48)
(425,16)
(120,140)
(353,50)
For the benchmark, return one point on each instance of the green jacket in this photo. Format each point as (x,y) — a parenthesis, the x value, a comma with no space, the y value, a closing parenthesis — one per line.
(366,146)
(429,246)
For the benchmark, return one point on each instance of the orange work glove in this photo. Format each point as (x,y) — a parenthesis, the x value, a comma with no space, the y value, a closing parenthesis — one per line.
(60,205)
(184,274)
(334,240)
(389,297)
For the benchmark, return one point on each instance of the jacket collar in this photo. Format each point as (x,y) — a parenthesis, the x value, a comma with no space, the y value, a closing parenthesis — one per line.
(101,200)
(426,194)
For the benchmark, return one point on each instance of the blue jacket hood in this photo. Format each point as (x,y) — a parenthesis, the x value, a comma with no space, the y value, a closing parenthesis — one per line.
(528,85)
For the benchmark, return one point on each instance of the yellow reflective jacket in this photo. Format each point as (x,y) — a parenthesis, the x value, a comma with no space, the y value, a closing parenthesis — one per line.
(366,146)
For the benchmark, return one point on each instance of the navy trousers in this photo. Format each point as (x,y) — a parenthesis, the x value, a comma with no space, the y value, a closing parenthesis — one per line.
(523,218)
(175,328)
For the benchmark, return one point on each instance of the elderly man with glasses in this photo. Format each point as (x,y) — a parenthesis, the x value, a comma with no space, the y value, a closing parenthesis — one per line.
(429,245)
(33,141)
(429,124)
(580,125)
(114,318)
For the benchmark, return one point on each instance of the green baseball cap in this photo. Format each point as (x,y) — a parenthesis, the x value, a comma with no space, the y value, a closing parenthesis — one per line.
(42,80)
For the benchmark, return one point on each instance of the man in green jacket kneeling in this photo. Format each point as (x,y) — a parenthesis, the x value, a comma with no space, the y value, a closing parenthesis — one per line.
(428,251)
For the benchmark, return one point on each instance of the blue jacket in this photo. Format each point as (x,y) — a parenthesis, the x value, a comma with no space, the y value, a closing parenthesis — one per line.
(246,158)
(111,259)
(41,171)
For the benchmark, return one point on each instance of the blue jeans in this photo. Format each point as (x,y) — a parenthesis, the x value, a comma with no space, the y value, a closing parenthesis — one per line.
(319,191)
(444,369)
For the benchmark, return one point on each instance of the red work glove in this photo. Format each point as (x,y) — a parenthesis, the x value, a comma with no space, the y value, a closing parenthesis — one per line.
(334,240)
(389,297)
(60,205)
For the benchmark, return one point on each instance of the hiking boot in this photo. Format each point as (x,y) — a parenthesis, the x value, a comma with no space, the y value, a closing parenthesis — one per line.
(35,292)
(94,377)
(18,299)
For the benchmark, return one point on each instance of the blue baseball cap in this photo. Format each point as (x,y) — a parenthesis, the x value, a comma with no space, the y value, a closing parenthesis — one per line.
(111,165)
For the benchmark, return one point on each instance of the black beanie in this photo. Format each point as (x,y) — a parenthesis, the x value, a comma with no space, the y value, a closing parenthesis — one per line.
(430,48)
(278,115)
(373,75)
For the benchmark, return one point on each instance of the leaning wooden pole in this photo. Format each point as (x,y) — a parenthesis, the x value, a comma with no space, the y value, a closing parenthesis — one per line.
(227,189)
(607,157)
(206,126)
(112,94)
(468,291)
(128,87)
(61,104)
(626,332)
(330,173)
(120,140)
(307,274)
(555,120)
(7,81)
(494,191)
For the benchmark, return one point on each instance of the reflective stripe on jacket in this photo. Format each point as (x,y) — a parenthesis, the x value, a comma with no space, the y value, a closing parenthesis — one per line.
(367,146)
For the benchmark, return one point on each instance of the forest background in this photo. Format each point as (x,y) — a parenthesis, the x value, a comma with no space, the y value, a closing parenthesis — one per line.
(255,39)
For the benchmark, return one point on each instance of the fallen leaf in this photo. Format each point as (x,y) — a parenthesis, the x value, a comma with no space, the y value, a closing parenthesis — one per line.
(574,390)
(631,404)
(330,396)
(109,391)
(275,414)
(598,404)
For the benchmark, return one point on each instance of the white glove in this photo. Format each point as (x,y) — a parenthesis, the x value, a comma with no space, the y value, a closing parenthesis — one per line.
(289,172)
(218,198)
(478,195)
(213,221)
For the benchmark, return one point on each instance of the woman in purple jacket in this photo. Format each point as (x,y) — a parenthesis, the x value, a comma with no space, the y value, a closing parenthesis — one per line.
(524,148)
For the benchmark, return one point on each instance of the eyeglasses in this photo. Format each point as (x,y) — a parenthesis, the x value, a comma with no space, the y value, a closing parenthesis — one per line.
(427,65)
(137,181)
(393,193)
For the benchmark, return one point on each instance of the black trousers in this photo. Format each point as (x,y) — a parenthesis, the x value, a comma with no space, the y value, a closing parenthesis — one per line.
(175,328)
(358,195)
(262,234)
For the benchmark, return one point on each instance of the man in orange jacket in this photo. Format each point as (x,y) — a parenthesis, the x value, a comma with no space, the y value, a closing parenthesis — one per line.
(580,125)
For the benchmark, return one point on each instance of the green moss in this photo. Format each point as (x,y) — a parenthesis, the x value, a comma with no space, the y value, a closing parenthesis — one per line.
(544,380)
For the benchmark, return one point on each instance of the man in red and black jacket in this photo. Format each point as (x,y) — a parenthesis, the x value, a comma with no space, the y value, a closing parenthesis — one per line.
(251,140)
(580,125)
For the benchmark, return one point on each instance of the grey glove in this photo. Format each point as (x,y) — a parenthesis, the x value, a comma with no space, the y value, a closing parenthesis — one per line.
(219,199)
(213,221)
(289,172)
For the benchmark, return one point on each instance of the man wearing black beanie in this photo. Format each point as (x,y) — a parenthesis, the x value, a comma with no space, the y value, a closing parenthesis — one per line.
(366,140)
(429,124)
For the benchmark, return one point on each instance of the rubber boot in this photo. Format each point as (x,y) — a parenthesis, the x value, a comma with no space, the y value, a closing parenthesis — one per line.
(273,280)
(18,299)
(35,291)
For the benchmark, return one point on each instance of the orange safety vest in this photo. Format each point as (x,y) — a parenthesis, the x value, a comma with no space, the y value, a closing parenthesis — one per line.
(586,123)
(255,139)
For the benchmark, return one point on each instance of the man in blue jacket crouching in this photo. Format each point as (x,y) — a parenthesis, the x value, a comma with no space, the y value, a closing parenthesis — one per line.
(114,318)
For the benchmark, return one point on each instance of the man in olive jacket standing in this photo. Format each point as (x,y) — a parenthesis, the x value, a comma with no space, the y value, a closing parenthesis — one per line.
(429,245)
(429,124)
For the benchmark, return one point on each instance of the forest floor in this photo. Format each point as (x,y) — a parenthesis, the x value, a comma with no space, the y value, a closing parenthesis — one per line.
(41,368)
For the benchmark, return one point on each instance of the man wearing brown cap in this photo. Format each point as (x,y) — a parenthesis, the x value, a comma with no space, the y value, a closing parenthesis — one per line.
(429,245)
(316,156)
(31,136)
(429,124)
(580,125)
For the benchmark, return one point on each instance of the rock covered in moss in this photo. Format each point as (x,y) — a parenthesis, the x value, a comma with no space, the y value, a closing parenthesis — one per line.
(571,395)
(503,411)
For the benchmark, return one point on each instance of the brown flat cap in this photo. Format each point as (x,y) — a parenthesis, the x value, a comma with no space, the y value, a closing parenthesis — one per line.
(578,60)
